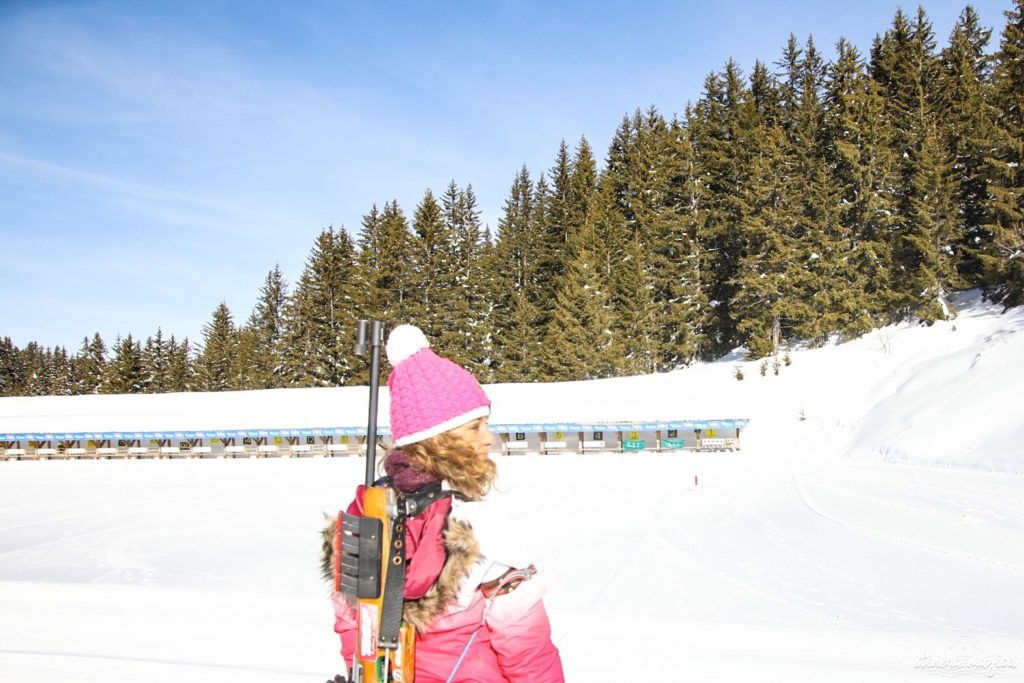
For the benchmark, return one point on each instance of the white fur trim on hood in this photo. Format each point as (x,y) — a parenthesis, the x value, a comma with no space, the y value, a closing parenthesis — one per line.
(501,543)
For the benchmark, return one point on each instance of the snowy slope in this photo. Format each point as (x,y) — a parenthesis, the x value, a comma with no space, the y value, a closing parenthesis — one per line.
(871,529)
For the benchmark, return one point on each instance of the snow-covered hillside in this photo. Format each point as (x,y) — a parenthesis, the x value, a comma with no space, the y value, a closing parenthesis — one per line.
(945,395)
(871,529)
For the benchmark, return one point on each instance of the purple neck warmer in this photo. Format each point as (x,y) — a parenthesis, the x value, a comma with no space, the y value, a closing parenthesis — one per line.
(403,477)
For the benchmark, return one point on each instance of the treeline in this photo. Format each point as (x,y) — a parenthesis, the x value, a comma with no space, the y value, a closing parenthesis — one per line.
(808,199)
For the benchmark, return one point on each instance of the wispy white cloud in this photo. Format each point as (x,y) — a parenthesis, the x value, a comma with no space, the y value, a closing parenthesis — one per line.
(177,108)
(162,102)
(127,188)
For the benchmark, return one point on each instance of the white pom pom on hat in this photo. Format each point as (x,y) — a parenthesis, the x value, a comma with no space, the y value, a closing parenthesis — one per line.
(405,341)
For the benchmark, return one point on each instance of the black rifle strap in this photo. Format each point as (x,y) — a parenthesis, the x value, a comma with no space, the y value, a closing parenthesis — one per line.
(394,584)
(409,505)
(417,502)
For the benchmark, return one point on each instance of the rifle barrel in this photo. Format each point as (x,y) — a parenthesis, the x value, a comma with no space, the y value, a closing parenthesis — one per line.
(376,339)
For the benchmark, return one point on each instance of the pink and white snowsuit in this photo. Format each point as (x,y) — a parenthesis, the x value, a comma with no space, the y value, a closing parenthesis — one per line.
(452,549)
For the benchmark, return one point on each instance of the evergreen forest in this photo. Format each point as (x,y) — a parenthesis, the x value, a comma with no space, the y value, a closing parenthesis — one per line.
(802,201)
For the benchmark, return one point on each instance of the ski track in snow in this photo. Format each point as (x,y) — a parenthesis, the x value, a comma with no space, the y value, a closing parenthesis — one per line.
(106,659)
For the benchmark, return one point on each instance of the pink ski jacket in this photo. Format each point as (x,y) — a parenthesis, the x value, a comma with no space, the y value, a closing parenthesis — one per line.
(453,549)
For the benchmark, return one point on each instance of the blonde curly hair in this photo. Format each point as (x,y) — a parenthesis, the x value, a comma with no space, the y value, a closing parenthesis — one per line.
(449,458)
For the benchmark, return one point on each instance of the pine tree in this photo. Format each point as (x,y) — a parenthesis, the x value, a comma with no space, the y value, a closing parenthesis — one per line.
(557,228)
(718,125)
(968,118)
(1005,263)
(687,197)
(382,281)
(787,87)
(579,342)
(32,359)
(182,372)
(248,362)
(125,373)
(632,294)
(766,281)
(384,273)
(552,231)
(156,363)
(628,181)
(432,261)
(537,223)
(610,234)
(455,335)
(466,336)
(487,288)
(673,258)
(860,154)
(262,337)
(571,278)
(905,64)
(220,346)
(544,248)
(321,316)
(650,178)
(61,373)
(301,358)
(517,334)
(820,280)
(12,374)
(770,268)
(43,375)
(582,187)
(926,250)
(90,366)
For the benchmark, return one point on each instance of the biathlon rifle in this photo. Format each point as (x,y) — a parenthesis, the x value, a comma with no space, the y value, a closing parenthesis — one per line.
(385,648)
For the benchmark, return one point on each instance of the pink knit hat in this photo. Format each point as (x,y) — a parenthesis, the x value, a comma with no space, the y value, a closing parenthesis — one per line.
(429,394)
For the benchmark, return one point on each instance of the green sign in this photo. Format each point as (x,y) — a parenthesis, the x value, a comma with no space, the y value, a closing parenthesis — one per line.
(673,443)
(634,445)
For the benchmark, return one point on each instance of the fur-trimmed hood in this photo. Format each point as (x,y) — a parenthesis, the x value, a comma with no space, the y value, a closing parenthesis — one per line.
(462,553)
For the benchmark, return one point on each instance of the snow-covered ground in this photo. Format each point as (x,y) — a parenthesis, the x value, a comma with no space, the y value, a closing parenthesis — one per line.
(871,529)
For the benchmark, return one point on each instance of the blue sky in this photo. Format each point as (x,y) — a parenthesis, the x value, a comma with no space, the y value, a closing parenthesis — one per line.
(159,158)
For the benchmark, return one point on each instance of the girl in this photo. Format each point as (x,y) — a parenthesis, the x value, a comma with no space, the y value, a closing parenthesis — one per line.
(471,591)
